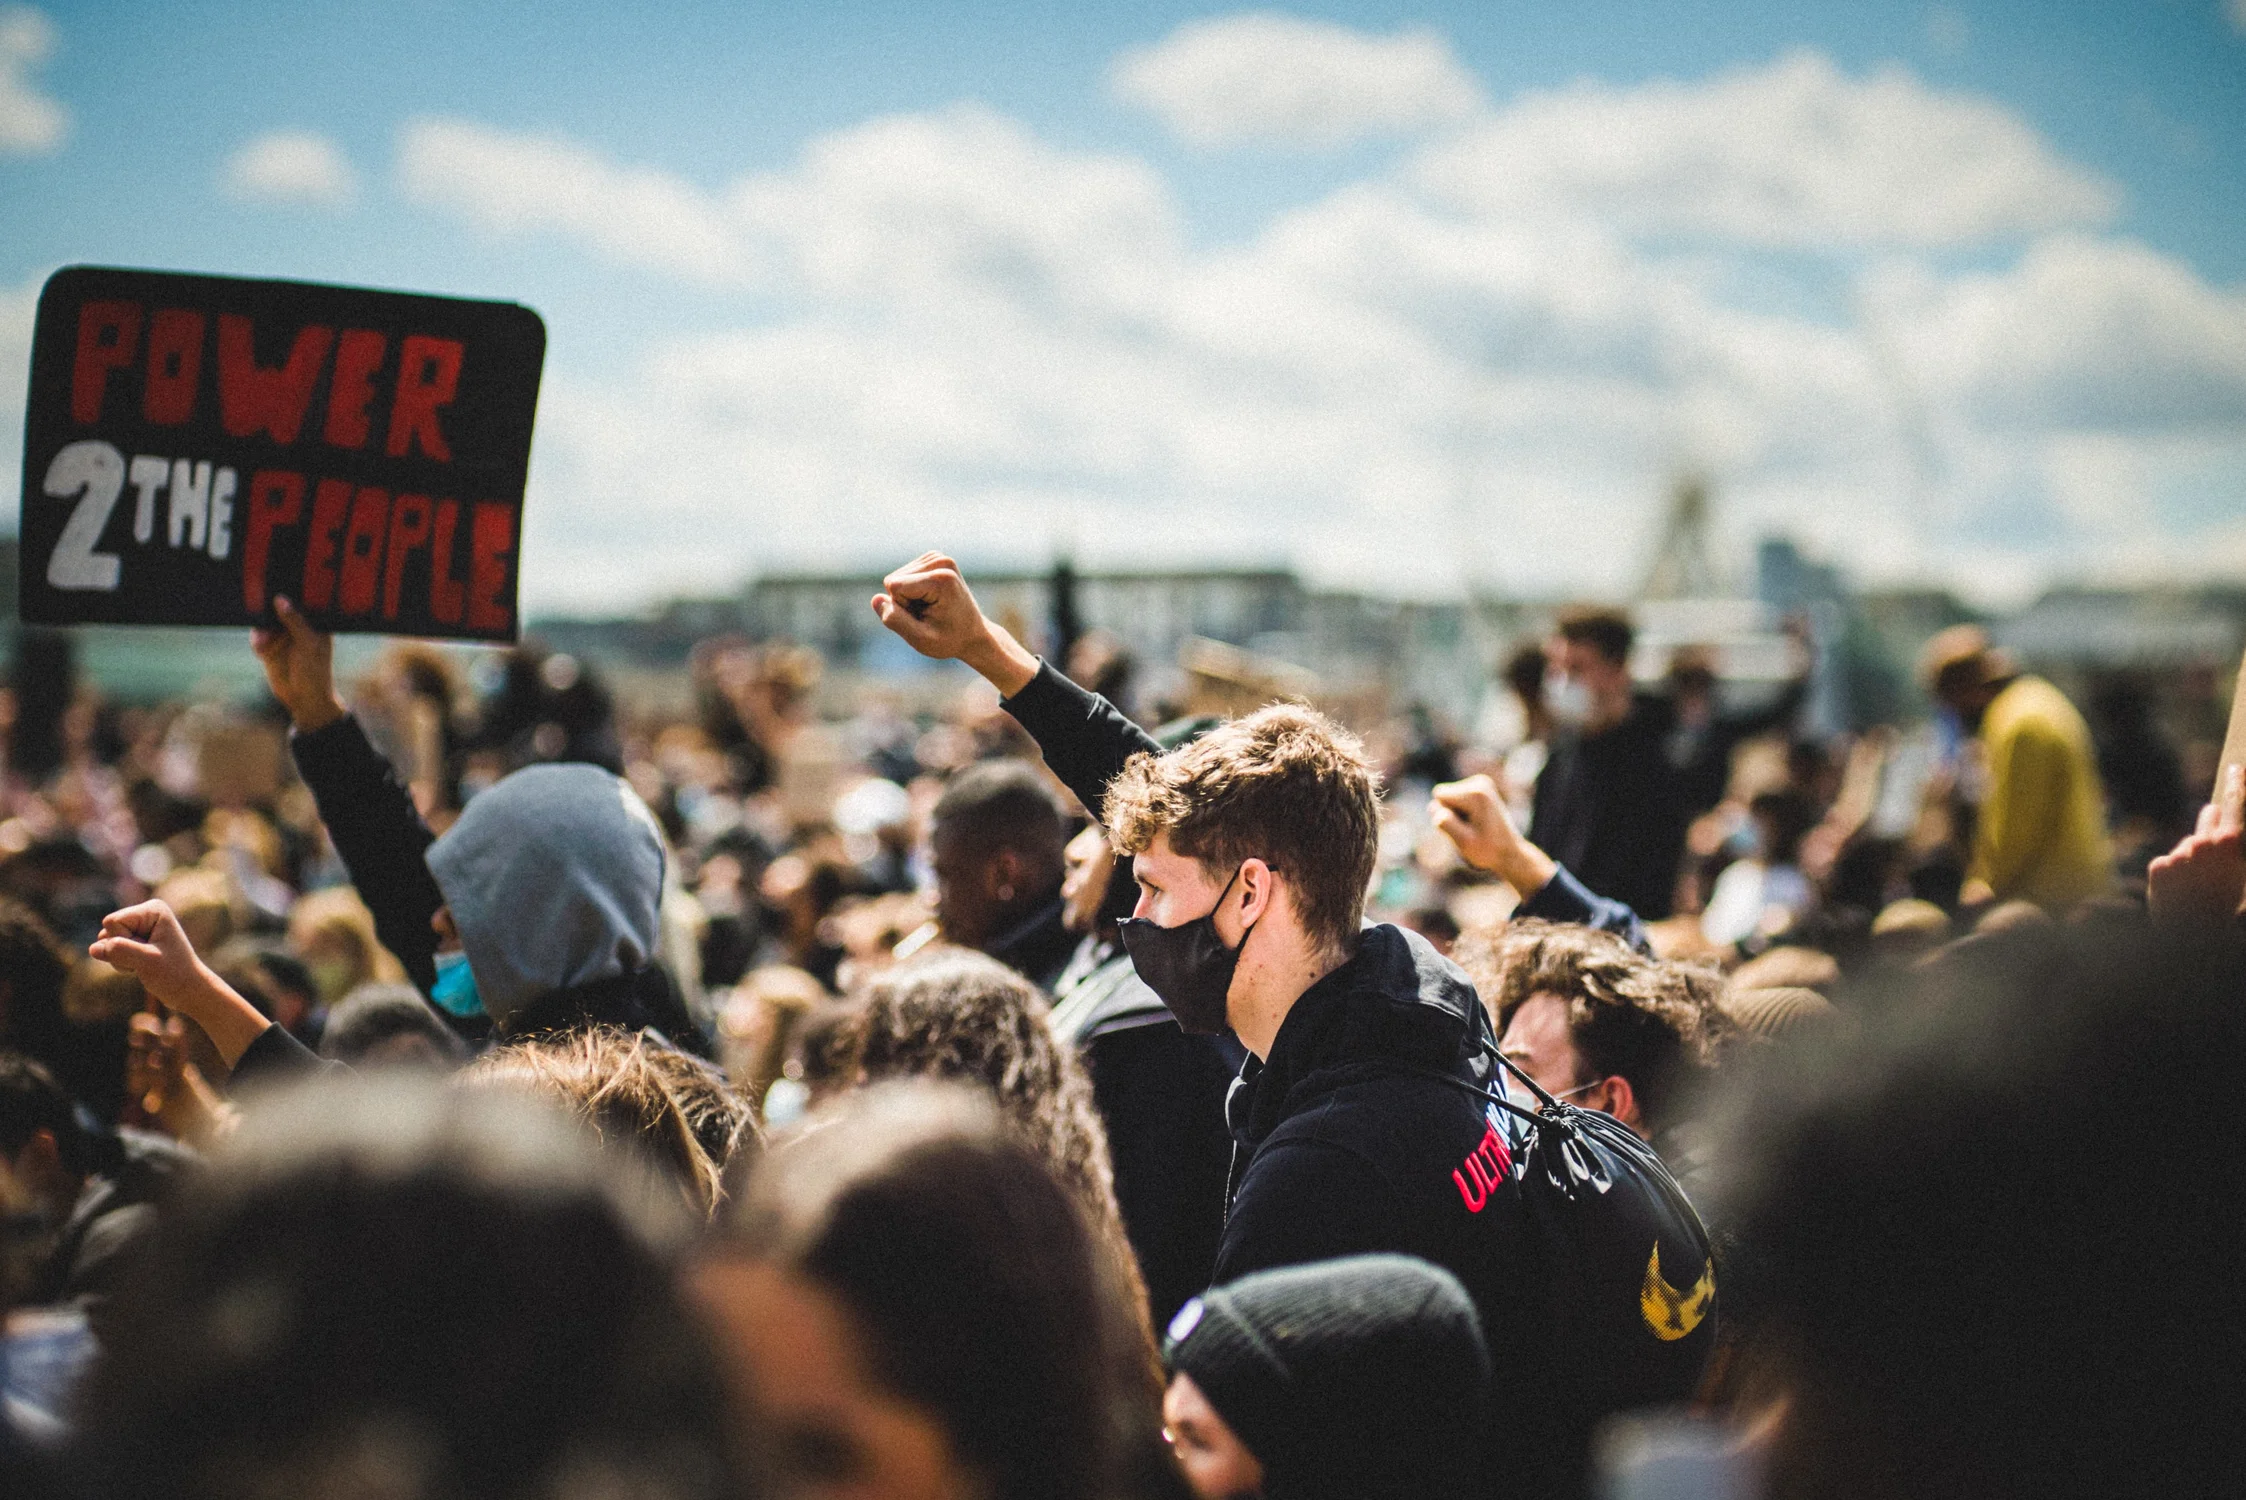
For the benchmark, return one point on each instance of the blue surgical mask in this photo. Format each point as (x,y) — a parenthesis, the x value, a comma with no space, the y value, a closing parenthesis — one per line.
(455,989)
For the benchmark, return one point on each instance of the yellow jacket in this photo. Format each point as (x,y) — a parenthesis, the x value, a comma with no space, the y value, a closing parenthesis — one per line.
(2042,830)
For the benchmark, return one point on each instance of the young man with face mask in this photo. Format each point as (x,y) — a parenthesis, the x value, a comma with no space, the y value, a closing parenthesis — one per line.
(1359,1121)
(1608,804)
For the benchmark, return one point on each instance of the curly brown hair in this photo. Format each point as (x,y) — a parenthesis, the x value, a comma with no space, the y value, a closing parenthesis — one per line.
(956,1014)
(1656,1024)
(1286,785)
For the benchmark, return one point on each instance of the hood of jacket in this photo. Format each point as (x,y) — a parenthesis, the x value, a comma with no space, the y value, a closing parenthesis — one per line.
(1395,1006)
(554,876)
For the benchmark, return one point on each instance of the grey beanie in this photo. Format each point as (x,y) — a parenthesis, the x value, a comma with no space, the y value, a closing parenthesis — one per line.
(554,876)
(1361,1378)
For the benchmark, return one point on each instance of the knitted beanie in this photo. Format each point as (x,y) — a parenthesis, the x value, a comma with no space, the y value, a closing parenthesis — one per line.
(1359,1378)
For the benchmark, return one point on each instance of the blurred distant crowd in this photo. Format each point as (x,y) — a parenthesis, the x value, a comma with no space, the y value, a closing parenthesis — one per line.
(1671,905)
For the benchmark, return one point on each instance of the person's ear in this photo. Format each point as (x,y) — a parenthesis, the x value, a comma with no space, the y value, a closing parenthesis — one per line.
(40,1160)
(1258,889)
(1621,1101)
(1005,878)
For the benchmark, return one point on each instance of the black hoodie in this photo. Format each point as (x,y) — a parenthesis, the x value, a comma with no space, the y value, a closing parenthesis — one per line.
(1366,1129)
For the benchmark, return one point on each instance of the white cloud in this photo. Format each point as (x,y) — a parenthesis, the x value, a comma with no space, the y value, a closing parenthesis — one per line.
(975,338)
(2091,335)
(1795,154)
(292,166)
(961,203)
(30,122)
(1266,78)
(2237,9)
(508,182)
(19,311)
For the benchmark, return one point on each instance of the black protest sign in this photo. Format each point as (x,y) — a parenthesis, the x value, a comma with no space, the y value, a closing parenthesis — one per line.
(196,445)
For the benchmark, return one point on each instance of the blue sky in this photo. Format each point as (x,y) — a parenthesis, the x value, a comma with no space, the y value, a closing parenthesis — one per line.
(1420,297)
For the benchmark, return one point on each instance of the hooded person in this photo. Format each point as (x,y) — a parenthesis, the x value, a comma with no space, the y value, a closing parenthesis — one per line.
(553,879)
(1359,1379)
(536,911)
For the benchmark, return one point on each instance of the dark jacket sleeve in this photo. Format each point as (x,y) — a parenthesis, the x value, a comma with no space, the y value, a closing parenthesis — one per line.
(1567,899)
(384,844)
(1161,1095)
(277,1057)
(1782,710)
(1085,739)
(1306,1200)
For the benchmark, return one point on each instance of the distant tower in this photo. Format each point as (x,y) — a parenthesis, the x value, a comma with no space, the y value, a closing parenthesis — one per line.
(1682,566)
(1068,624)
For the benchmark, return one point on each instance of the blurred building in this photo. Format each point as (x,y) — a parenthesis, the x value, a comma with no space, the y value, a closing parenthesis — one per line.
(1409,651)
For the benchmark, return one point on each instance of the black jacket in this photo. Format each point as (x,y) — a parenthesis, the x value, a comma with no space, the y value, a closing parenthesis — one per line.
(1161,1094)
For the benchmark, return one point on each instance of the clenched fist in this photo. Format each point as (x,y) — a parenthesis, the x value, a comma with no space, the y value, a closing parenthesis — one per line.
(928,603)
(1472,816)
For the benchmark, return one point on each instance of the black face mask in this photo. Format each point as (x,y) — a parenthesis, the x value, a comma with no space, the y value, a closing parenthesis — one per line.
(1187,966)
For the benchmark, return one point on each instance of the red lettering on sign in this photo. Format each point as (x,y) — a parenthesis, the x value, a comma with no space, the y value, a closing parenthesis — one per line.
(330,502)
(409,528)
(276,499)
(108,332)
(358,354)
(447,596)
(428,376)
(362,550)
(492,538)
(253,399)
(175,364)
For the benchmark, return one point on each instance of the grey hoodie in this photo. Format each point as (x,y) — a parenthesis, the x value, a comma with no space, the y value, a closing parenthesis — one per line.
(554,876)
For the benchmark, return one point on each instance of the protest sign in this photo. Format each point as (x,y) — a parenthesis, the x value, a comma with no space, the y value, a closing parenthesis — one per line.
(196,445)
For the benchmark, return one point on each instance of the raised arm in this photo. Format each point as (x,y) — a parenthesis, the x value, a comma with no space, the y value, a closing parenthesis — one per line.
(1085,739)
(147,942)
(368,811)
(1472,816)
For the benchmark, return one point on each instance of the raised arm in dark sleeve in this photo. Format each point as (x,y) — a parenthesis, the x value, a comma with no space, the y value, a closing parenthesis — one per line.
(1567,899)
(379,833)
(1085,739)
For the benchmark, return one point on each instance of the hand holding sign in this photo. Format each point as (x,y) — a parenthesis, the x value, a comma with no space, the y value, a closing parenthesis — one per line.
(195,445)
(299,668)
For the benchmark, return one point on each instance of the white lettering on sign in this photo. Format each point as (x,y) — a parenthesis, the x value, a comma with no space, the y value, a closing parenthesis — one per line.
(222,515)
(148,476)
(200,515)
(191,502)
(92,473)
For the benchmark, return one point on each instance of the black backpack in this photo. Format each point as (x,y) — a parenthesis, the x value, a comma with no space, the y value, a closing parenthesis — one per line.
(1618,1291)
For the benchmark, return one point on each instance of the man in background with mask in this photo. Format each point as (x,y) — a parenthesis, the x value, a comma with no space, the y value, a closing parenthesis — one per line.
(1359,1121)
(1608,805)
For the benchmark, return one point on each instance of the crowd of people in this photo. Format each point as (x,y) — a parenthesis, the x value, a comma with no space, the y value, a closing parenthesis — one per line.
(412,1090)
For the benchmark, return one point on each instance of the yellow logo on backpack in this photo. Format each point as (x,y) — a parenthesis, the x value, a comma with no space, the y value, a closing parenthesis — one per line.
(1671,1313)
